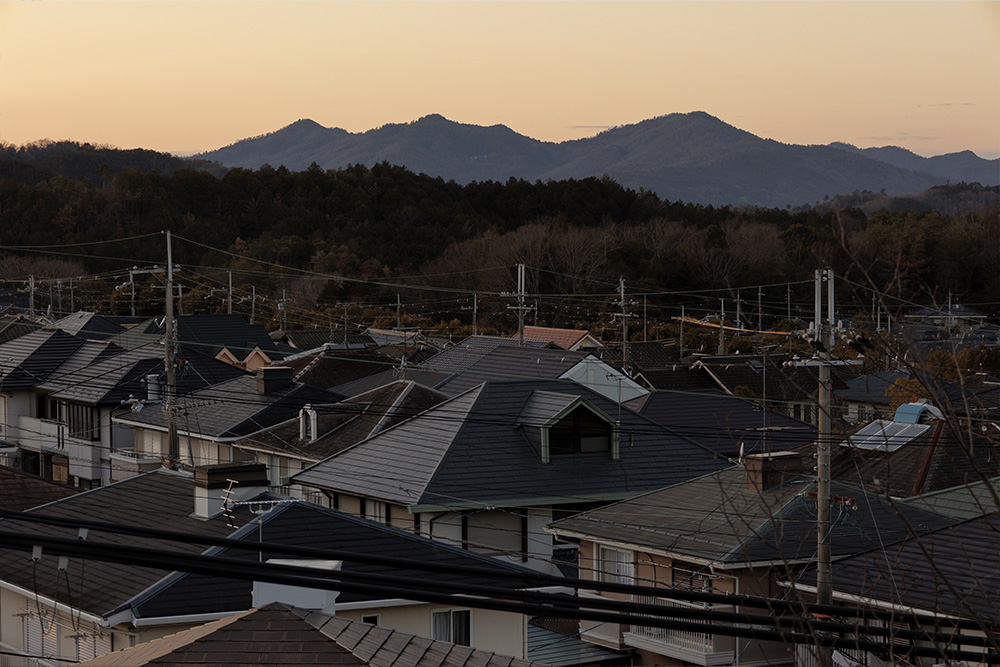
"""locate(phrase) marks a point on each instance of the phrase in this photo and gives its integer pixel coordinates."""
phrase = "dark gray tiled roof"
(514, 363)
(15, 328)
(112, 378)
(208, 334)
(332, 368)
(159, 499)
(282, 636)
(431, 379)
(718, 518)
(28, 360)
(307, 525)
(91, 326)
(235, 408)
(675, 378)
(772, 380)
(313, 338)
(351, 421)
(967, 501)
(21, 491)
(949, 571)
(472, 450)
(723, 423)
(469, 351)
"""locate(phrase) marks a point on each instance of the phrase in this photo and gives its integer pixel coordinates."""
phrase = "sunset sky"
(185, 76)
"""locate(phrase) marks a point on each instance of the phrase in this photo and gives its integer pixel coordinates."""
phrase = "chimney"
(153, 387)
(768, 470)
(271, 379)
(308, 423)
(211, 482)
(297, 596)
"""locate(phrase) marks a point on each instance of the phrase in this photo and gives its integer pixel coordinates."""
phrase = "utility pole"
(253, 303)
(644, 318)
(681, 346)
(760, 312)
(824, 339)
(520, 307)
(173, 452)
(624, 315)
(399, 306)
(31, 294)
(722, 326)
(475, 313)
(229, 308)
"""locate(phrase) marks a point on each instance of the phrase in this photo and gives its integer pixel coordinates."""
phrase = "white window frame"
(615, 566)
(451, 625)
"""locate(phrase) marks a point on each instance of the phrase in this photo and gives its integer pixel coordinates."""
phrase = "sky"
(185, 76)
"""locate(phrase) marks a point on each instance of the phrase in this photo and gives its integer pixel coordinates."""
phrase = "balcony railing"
(701, 648)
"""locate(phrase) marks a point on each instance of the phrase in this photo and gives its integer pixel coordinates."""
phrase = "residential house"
(737, 531)
(328, 367)
(730, 426)
(57, 610)
(329, 339)
(488, 469)
(287, 636)
(915, 453)
(184, 599)
(319, 431)
(78, 609)
(769, 380)
(95, 326)
(567, 339)
(212, 420)
(944, 574)
(225, 337)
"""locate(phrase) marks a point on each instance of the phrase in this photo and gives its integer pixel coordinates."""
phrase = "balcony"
(700, 648)
(127, 463)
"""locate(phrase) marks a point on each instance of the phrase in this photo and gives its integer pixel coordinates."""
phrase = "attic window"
(580, 432)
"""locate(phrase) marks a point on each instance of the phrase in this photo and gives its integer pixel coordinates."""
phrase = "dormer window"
(580, 432)
(563, 425)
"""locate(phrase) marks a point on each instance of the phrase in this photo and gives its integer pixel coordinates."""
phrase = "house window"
(615, 566)
(375, 510)
(580, 432)
(82, 420)
(453, 625)
(372, 619)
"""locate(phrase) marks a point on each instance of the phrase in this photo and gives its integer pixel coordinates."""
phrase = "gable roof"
(208, 334)
(421, 376)
(475, 450)
(28, 360)
(568, 339)
(92, 326)
(158, 499)
(349, 422)
(718, 518)
(307, 525)
(771, 380)
(723, 423)
(233, 409)
(283, 636)
(311, 339)
(112, 378)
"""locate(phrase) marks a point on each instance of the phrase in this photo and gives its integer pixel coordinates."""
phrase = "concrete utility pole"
(31, 294)
(520, 307)
(174, 450)
(722, 326)
(229, 298)
(824, 339)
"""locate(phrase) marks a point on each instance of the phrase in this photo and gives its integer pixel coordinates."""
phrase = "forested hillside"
(385, 223)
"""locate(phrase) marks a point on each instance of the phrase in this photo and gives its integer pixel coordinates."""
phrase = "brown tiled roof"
(565, 338)
(279, 635)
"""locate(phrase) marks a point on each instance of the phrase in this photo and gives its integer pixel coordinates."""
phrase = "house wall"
(17, 611)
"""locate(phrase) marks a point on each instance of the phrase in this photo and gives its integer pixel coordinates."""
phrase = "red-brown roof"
(565, 338)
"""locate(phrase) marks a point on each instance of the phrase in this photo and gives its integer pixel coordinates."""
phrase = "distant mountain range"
(692, 157)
